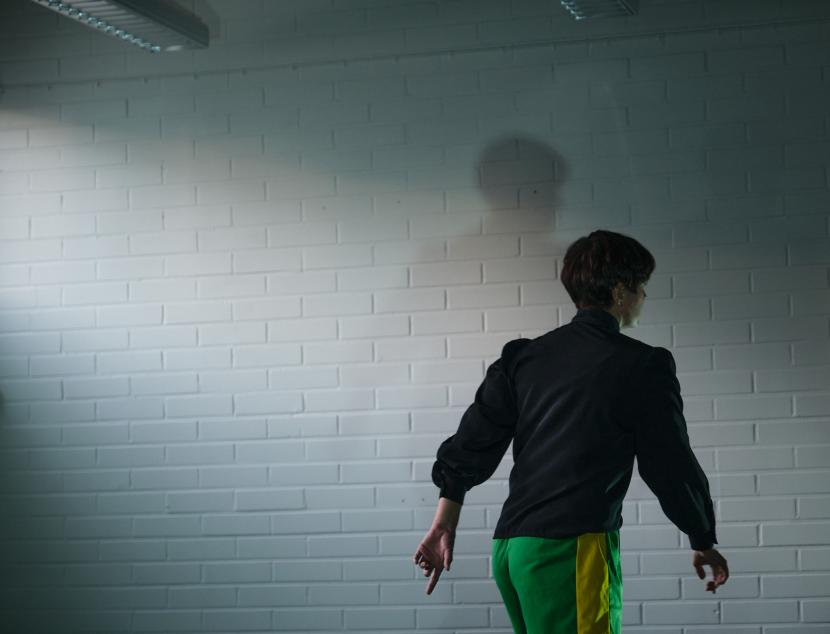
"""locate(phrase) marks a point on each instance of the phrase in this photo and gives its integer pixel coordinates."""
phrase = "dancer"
(579, 403)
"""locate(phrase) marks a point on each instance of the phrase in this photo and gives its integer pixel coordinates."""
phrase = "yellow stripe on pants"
(592, 609)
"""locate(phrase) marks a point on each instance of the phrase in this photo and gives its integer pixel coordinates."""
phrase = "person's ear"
(618, 294)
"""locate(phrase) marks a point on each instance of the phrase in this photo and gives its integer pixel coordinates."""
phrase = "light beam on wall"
(154, 25)
(583, 9)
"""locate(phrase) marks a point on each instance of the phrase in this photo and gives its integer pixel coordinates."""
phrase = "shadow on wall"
(534, 166)
(513, 190)
(521, 180)
(508, 206)
(35, 553)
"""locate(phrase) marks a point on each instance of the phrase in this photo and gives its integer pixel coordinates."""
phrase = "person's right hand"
(435, 553)
(720, 570)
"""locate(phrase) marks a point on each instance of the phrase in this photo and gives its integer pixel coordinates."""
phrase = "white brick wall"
(246, 292)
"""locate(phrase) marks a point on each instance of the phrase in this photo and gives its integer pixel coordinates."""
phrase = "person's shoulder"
(633, 346)
(645, 356)
(515, 347)
(640, 346)
(657, 359)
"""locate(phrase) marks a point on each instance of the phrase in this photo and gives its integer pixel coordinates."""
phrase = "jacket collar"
(597, 317)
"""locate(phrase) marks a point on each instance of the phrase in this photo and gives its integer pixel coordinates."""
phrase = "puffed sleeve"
(472, 454)
(664, 457)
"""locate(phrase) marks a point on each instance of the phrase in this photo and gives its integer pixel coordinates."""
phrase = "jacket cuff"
(454, 492)
(702, 542)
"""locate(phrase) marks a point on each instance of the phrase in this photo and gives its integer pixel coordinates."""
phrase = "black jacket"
(579, 403)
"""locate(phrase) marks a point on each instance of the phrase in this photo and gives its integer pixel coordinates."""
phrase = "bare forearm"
(447, 513)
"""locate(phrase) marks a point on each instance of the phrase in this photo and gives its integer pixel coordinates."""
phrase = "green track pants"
(561, 586)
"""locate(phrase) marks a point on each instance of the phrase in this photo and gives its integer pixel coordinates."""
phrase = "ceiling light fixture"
(583, 9)
(153, 25)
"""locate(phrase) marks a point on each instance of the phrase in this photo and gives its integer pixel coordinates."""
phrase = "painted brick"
(789, 329)
(162, 196)
(231, 286)
(207, 216)
(163, 336)
(753, 356)
(68, 225)
(109, 246)
(118, 362)
(166, 242)
(196, 312)
(128, 222)
(192, 359)
(187, 264)
(190, 406)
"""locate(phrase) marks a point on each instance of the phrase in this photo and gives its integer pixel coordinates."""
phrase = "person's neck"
(615, 315)
(610, 311)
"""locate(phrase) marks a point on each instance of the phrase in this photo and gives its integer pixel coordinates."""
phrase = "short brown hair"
(594, 264)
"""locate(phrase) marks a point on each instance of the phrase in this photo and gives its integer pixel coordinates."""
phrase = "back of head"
(596, 263)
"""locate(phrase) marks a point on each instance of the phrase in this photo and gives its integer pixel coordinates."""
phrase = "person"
(579, 403)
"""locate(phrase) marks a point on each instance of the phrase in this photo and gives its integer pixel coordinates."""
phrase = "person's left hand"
(435, 553)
